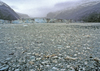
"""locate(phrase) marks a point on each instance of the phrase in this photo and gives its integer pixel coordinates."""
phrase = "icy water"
(50, 47)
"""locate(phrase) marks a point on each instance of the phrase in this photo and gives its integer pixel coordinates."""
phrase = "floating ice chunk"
(4, 68)
(68, 46)
(25, 25)
(70, 58)
(54, 68)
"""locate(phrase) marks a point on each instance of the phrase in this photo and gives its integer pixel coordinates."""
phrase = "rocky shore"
(50, 47)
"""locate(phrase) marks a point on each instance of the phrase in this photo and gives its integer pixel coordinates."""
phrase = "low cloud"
(38, 8)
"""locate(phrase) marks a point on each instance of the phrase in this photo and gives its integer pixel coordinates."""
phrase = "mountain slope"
(23, 15)
(78, 12)
(7, 13)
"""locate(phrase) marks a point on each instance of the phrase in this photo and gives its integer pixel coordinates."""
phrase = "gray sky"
(34, 8)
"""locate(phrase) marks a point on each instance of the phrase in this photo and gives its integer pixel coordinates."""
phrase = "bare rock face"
(6, 13)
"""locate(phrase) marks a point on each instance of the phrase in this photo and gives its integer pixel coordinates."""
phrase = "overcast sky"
(34, 8)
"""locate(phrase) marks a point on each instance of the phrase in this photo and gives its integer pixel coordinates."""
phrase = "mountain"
(7, 13)
(23, 15)
(82, 9)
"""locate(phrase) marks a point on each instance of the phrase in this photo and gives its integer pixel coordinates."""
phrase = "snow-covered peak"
(2, 3)
(89, 3)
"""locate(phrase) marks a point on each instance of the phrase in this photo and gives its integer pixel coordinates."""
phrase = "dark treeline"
(94, 17)
(4, 17)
